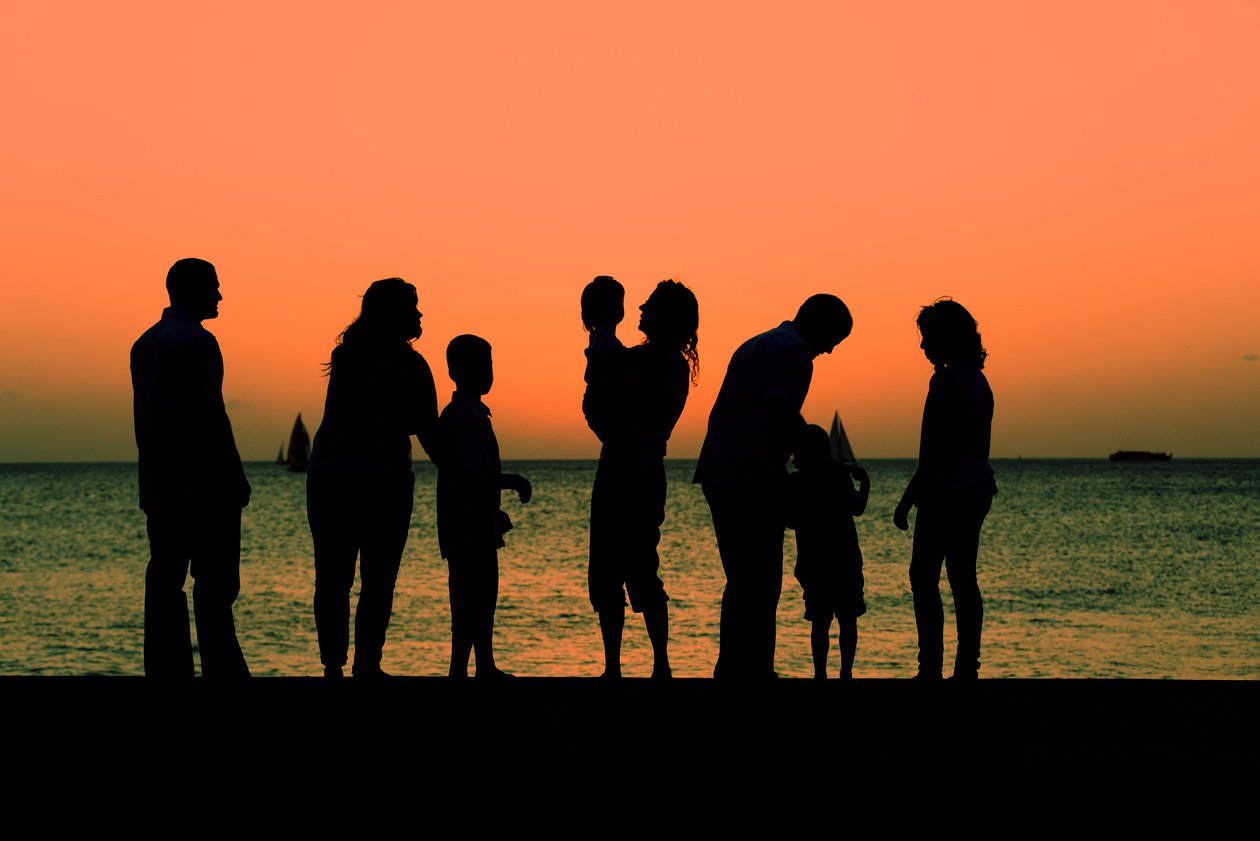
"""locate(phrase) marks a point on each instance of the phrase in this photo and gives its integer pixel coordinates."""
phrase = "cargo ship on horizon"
(1139, 455)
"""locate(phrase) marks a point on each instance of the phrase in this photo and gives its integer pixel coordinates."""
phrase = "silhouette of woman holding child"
(359, 484)
(953, 487)
(634, 397)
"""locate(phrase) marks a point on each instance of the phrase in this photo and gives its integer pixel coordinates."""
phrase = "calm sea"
(1089, 569)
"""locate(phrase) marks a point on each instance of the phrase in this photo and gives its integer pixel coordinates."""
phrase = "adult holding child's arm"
(952, 487)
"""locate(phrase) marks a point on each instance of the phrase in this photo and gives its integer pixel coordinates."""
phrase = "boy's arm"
(518, 483)
(857, 499)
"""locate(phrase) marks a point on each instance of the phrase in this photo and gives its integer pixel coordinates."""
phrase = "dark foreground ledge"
(531, 726)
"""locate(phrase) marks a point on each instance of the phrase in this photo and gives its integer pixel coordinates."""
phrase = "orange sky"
(1083, 176)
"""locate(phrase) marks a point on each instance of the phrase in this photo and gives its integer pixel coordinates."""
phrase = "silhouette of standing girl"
(953, 487)
(634, 418)
(359, 485)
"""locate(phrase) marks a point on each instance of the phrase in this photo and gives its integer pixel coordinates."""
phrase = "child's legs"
(820, 642)
(848, 644)
(461, 624)
(484, 598)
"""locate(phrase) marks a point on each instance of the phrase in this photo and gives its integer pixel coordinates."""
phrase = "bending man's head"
(824, 322)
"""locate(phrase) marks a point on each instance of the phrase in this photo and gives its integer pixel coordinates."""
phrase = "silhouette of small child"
(603, 308)
(470, 523)
(822, 503)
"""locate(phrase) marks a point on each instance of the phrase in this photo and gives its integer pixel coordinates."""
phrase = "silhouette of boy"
(470, 523)
(821, 505)
(192, 498)
(603, 308)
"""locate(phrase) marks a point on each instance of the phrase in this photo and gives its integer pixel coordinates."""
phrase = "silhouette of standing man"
(753, 429)
(192, 484)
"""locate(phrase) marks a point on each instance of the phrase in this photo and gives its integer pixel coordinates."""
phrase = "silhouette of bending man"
(192, 484)
(753, 428)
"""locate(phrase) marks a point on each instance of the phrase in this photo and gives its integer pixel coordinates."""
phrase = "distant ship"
(299, 454)
(841, 450)
(1139, 455)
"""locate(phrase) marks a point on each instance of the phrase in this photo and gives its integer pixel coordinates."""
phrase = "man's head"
(469, 364)
(193, 285)
(824, 322)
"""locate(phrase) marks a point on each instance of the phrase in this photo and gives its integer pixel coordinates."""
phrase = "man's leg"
(216, 571)
(750, 541)
(167, 638)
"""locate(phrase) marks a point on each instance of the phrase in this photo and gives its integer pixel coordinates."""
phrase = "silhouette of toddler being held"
(603, 308)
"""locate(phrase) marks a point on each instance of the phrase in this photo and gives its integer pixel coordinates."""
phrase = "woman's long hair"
(954, 331)
(674, 319)
(388, 317)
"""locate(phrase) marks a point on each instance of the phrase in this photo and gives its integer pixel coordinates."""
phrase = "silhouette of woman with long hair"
(634, 419)
(953, 487)
(359, 486)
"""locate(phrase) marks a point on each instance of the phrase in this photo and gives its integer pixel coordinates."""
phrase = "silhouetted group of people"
(360, 485)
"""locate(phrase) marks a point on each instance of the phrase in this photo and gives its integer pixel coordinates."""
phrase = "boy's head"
(468, 361)
(603, 303)
(814, 447)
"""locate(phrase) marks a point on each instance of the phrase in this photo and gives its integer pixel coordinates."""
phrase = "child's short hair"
(603, 302)
(463, 352)
(815, 443)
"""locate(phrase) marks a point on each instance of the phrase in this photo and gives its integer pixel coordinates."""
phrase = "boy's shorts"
(839, 594)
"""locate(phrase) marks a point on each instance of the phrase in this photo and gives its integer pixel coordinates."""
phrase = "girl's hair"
(675, 318)
(954, 330)
(387, 316)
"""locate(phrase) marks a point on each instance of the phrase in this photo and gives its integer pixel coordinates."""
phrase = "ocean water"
(1088, 569)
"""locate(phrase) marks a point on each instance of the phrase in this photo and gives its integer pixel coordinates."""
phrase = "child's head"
(603, 303)
(468, 361)
(813, 448)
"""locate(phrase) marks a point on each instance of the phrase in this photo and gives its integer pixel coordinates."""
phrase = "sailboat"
(841, 450)
(280, 459)
(299, 447)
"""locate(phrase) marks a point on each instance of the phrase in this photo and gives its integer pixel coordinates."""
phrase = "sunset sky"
(1083, 176)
